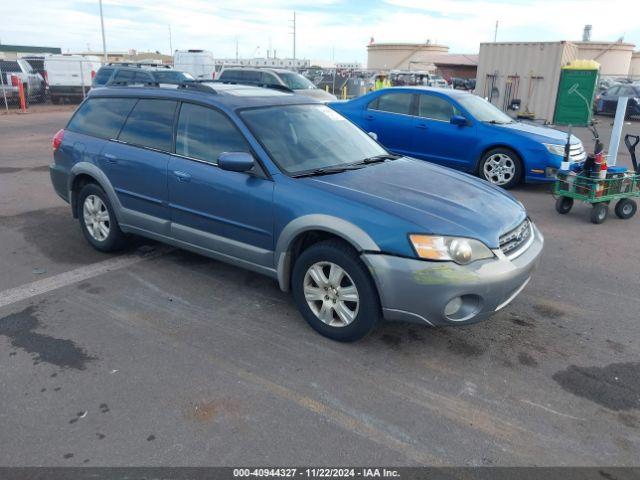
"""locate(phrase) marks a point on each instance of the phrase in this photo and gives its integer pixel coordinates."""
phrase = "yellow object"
(582, 65)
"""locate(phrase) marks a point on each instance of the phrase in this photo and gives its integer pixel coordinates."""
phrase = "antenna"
(495, 33)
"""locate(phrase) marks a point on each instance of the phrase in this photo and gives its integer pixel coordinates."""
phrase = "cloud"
(322, 26)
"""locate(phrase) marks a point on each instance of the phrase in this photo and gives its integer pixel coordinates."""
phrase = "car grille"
(577, 153)
(516, 240)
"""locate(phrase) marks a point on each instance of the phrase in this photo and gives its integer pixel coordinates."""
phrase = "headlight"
(459, 250)
(555, 149)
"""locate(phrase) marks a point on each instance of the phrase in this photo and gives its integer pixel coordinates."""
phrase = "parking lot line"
(39, 287)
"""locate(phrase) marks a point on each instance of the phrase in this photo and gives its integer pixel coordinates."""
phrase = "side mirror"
(373, 135)
(459, 120)
(235, 161)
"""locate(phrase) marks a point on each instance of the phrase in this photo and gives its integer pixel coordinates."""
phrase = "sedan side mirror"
(373, 135)
(235, 161)
(459, 120)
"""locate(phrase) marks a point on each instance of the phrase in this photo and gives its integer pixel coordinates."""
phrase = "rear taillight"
(213, 75)
(45, 76)
(57, 139)
(93, 74)
(15, 80)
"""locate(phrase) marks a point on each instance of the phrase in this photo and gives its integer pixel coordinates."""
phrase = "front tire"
(98, 221)
(599, 213)
(501, 167)
(564, 205)
(334, 291)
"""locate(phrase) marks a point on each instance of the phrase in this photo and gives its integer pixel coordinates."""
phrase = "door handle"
(111, 158)
(422, 126)
(369, 117)
(182, 176)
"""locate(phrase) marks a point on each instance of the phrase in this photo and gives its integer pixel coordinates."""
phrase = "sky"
(326, 29)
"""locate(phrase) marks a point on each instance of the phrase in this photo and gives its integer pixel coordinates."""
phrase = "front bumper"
(419, 291)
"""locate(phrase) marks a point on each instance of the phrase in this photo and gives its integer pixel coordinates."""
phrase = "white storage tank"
(402, 56)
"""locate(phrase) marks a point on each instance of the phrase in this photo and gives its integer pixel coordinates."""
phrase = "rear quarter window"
(103, 75)
(150, 124)
(101, 117)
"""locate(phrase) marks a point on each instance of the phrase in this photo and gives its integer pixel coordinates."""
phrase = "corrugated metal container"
(525, 71)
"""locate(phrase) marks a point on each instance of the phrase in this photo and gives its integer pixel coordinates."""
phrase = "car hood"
(540, 133)
(316, 93)
(435, 199)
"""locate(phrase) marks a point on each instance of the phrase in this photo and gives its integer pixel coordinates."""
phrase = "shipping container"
(528, 72)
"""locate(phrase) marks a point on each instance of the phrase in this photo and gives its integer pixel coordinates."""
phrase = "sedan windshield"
(303, 138)
(482, 110)
(295, 81)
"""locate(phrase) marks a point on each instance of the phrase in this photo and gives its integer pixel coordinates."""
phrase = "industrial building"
(13, 52)
(271, 62)
(530, 71)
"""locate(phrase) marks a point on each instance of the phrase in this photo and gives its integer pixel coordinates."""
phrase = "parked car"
(142, 73)
(198, 63)
(282, 185)
(607, 101)
(69, 76)
(274, 77)
(463, 131)
(19, 71)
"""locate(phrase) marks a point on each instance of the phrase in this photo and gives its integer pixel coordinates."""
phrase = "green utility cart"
(574, 103)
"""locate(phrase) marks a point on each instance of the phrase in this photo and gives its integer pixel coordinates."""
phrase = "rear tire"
(98, 220)
(626, 208)
(599, 213)
(564, 205)
(334, 291)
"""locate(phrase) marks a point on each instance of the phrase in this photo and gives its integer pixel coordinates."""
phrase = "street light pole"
(104, 42)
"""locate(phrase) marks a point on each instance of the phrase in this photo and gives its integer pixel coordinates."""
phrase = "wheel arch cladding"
(323, 226)
(85, 172)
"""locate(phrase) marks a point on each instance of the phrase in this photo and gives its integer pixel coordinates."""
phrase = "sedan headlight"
(457, 249)
(555, 149)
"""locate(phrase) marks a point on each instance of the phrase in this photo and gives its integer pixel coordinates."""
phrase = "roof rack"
(273, 86)
(200, 87)
(138, 64)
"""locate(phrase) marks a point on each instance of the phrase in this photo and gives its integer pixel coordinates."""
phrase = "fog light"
(453, 306)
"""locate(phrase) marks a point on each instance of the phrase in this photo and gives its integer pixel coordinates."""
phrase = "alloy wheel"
(499, 169)
(96, 217)
(331, 294)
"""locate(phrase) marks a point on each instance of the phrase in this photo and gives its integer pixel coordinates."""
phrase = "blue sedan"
(462, 131)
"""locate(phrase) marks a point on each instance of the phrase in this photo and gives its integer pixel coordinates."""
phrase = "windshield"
(296, 81)
(302, 138)
(483, 110)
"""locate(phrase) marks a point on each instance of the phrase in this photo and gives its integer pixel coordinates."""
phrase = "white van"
(198, 63)
(69, 76)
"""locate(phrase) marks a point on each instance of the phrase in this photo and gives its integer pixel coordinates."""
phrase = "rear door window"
(393, 103)
(248, 76)
(103, 76)
(101, 117)
(124, 76)
(143, 77)
(204, 133)
(150, 124)
(436, 108)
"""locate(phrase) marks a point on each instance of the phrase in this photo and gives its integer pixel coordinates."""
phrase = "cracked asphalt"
(169, 359)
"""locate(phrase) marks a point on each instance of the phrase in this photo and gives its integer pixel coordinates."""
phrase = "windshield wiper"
(377, 159)
(498, 122)
(326, 171)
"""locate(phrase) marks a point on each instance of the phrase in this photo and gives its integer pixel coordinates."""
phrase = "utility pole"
(495, 33)
(170, 43)
(104, 42)
(236, 49)
(294, 35)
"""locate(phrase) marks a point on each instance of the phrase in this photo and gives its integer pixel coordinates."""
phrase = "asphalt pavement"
(157, 356)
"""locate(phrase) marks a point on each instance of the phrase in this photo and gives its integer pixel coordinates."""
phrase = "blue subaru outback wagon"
(285, 186)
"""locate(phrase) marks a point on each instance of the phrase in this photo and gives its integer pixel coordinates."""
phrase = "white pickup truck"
(14, 72)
